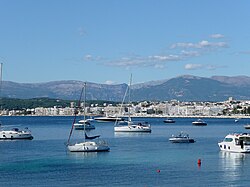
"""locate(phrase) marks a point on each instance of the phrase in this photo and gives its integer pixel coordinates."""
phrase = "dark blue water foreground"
(134, 160)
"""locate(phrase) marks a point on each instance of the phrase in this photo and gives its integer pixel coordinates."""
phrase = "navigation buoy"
(158, 171)
(199, 162)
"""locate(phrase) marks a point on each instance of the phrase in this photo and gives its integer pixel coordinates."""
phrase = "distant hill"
(183, 88)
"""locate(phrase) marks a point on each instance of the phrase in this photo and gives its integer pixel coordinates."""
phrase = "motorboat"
(83, 124)
(199, 122)
(237, 142)
(15, 133)
(236, 120)
(108, 119)
(90, 143)
(169, 120)
(182, 137)
(132, 126)
(247, 126)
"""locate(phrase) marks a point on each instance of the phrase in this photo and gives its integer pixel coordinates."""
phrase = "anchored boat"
(239, 143)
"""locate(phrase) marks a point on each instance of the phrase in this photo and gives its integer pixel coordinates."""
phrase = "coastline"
(141, 116)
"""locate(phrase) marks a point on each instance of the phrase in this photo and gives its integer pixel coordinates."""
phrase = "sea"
(134, 159)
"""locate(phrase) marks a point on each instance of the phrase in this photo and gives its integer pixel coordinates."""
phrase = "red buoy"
(199, 162)
(158, 171)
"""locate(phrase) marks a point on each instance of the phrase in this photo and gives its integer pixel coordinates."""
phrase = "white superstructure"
(239, 143)
(132, 126)
(83, 124)
(15, 133)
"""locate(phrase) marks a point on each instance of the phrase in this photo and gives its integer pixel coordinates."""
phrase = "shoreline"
(138, 116)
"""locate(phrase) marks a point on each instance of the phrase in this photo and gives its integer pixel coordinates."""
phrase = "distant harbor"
(174, 109)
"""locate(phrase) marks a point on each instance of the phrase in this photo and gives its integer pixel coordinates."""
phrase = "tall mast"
(129, 101)
(84, 104)
(78, 106)
(1, 82)
(84, 107)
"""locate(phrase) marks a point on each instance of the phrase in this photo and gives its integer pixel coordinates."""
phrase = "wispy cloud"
(244, 52)
(193, 66)
(217, 36)
(180, 51)
(155, 61)
(110, 82)
(204, 44)
(201, 66)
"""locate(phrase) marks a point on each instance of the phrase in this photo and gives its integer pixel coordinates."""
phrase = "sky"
(106, 41)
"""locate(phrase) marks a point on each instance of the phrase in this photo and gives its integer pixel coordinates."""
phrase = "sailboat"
(129, 125)
(14, 133)
(89, 144)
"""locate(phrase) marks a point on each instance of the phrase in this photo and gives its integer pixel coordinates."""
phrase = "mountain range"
(182, 88)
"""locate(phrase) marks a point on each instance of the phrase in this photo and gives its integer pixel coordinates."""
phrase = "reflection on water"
(130, 134)
(231, 164)
(82, 155)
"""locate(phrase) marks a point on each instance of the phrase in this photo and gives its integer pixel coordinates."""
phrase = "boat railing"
(102, 142)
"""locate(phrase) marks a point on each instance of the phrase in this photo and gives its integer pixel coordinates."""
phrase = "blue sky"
(106, 41)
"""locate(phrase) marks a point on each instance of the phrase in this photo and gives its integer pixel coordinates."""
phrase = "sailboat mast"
(84, 104)
(129, 101)
(71, 130)
(1, 82)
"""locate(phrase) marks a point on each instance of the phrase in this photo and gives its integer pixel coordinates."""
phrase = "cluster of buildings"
(171, 108)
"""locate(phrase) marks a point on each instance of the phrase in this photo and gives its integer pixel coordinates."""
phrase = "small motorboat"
(83, 124)
(247, 126)
(239, 143)
(236, 120)
(132, 126)
(182, 137)
(169, 120)
(199, 122)
(15, 134)
(108, 119)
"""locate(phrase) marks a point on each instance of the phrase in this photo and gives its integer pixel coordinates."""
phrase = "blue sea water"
(136, 159)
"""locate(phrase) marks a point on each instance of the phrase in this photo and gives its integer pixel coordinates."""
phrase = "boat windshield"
(228, 139)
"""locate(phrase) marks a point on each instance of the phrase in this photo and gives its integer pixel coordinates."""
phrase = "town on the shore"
(173, 108)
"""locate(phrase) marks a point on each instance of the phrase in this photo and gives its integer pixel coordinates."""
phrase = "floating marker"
(199, 162)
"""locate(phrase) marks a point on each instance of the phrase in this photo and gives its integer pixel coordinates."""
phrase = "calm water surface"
(134, 160)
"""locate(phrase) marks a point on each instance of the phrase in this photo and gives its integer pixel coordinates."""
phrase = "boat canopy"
(91, 137)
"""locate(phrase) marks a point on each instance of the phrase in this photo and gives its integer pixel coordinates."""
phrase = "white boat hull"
(132, 128)
(181, 140)
(11, 135)
(89, 146)
(229, 147)
(238, 143)
(108, 119)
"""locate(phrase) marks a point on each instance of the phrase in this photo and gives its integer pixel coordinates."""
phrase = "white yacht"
(199, 122)
(239, 143)
(83, 124)
(247, 126)
(169, 120)
(182, 137)
(15, 133)
(132, 126)
(108, 119)
(89, 144)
